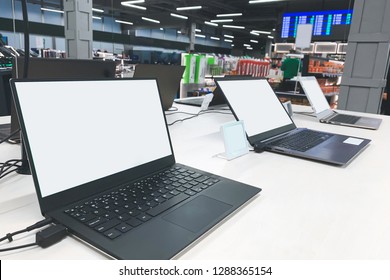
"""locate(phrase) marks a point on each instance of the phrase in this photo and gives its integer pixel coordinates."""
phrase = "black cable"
(19, 247)
(44, 238)
(29, 228)
(9, 136)
(6, 166)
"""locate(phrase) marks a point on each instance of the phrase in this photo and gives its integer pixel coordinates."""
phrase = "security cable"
(196, 115)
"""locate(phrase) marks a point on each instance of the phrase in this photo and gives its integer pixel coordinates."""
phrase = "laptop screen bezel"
(260, 137)
(83, 191)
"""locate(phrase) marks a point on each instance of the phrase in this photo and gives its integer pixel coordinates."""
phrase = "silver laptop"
(269, 126)
(325, 114)
(105, 168)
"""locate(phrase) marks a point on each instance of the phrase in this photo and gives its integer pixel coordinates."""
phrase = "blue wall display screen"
(325, 23)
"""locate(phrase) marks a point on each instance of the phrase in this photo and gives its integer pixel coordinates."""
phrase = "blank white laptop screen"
(255, 103)
(68, 146)
(314, 92)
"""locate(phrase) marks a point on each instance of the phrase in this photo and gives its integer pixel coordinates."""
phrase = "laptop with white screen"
(269, 126)
(325, 114)
(111, 178)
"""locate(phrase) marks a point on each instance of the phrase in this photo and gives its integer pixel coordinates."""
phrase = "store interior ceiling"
(262, 16)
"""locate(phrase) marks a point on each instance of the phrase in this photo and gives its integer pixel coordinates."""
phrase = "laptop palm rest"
(198, 213)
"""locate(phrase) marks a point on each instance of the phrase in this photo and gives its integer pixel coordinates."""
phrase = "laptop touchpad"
(198, 213)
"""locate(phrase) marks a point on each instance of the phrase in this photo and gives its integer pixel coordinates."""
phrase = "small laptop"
(325, 114)
(269, 126)
(168, 78)
(105, 168)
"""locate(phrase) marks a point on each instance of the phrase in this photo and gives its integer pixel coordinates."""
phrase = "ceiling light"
(200, 35)
(254, 33)
(134, 6)
(222, 20)
(254, 41)
(261, 32)
(162, 29)
(249, 48)
(230, 15)
(234, 26)
(232, 45)
(262, 1)
(246, 45)
(98, 10)
(178, 32)
(228, 36)
(151, 20)
(271, 37)
(228, 40)
(215, 38)
(189, 8)
(95, 17)
(178, 16)
(124, 3)
(124, 22)
(198, 30)
(210, 23)
(52, 10)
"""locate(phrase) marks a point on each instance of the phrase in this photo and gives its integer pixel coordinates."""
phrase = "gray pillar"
(367, 57)
(78, 28)
(268, 47)
(192, 36)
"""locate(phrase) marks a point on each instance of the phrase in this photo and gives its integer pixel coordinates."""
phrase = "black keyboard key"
(124, 217)
(168, 204)
(107, 225)
(134, 222)
(95, 222)
(144, 217)
(112, 233)
(86, 217)
(123, 227)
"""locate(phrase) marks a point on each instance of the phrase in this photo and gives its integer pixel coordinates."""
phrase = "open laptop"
(325, 114)
(168, 78)
(269, 126)
(113, 181)
(218, 97)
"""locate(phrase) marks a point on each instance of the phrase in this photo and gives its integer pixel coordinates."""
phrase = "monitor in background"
(44, 68)
(168, 79)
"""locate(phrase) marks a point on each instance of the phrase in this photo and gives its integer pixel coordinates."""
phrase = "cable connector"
(50, 235)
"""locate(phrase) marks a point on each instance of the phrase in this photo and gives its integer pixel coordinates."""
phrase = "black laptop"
(269, 126)
(168, 78)
(105, 168)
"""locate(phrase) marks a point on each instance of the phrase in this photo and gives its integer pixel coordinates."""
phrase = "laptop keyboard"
(129, 206)
(342, 118)
(302, 140)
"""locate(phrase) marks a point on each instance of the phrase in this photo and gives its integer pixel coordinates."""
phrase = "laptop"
(218, 97)
(113, 181)
(168, 78)
(269, 126)
(325, 114)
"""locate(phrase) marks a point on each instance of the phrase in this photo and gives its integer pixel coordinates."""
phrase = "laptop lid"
(168, 78)
(254, 102)
(316, 97)
(74, 158)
